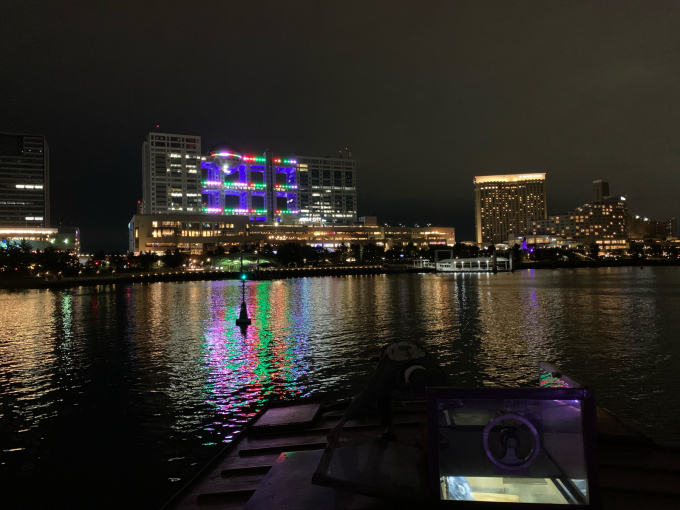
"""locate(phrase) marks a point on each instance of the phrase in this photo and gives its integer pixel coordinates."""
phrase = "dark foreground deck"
(270, 465)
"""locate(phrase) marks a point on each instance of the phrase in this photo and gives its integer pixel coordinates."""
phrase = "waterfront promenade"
(153, 276)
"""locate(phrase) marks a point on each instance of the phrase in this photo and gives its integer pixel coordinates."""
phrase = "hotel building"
(504, 204)
(604, 221)
(272, 188)
(644, 228)
(24, 181)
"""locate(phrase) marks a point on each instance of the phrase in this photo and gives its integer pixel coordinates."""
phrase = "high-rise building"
(263, 187)
(303, 189)
(24, 181)
(606, 218)
(327, 190)
(504, 204)
(171, 173)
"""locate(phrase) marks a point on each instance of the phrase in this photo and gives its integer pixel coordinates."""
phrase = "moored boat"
(274, 460)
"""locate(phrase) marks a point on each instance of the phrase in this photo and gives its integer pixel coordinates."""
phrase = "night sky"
(426, 95)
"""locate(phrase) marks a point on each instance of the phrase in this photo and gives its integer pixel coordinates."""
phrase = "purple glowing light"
(226, 154)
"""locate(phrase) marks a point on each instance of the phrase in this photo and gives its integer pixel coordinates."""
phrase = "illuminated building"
(24, 181)
(327, 190)
(200, 233)
(644, 228)
(504, 204)
(606, 218)
(302, 189)
(61, 238)
(171, 173)
(264, 188)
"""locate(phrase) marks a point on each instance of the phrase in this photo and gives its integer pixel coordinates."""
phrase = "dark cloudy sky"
(425, 94)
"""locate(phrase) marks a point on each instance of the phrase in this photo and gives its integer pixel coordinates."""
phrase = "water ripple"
(147, 380)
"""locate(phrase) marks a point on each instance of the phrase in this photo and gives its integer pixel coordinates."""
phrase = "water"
(116, 395)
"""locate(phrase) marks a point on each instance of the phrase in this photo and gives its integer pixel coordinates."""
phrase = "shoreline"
(593, 264)
(33, 282)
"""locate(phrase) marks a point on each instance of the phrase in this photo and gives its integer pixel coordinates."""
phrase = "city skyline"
(583, 92)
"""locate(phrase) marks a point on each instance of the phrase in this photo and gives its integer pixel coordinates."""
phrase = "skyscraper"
(171, 173)
(504, 204)
(24, 181)
(274, 188)
(328, 190)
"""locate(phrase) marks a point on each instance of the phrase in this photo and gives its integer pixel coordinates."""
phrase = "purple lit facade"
(265, 187)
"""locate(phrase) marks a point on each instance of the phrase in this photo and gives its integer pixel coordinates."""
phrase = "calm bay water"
(116, 395)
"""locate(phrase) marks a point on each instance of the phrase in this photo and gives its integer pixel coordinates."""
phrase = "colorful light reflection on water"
(247, 366)
(140, 384)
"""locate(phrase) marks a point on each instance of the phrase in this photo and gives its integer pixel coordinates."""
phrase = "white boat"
(474, 265)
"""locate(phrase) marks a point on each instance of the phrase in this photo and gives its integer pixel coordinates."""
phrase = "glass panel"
(511, 450)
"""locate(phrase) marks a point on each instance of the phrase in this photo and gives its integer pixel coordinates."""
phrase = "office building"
(504, 204)
(24, 181)
(606, 218)
(327, 190)
(264, 188)
(199, 233)
(171, 173)
(302, 189)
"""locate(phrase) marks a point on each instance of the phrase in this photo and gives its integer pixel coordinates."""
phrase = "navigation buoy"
(243, 319)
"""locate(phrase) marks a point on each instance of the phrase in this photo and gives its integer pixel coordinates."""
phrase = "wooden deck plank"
(651, 459)
(288, 416)
(224, 488)
(288, 486)
(628, 480)
(265, 450)
(323, 431)
(276, 440)
(226, 496)
(617, 500)
(214, 505)
(612, 430)
(245, 471)
(236, 461)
